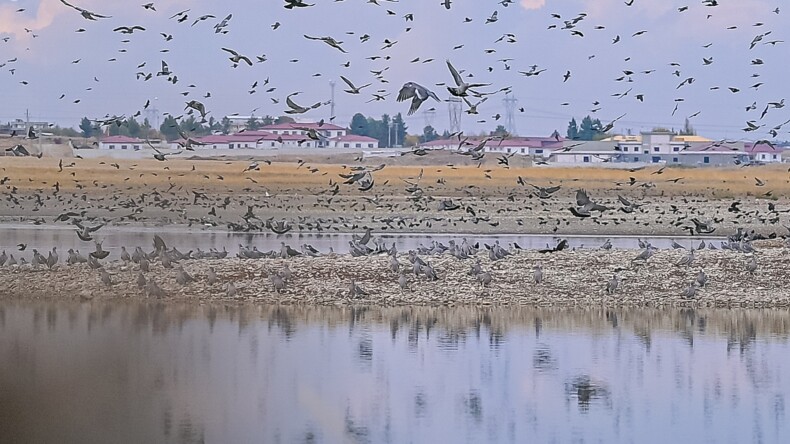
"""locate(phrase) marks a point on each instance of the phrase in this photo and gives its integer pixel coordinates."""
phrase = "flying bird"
(417, 93)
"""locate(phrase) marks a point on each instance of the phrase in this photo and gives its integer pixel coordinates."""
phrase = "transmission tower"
(510, 113)
(429, 116)
(454, 106)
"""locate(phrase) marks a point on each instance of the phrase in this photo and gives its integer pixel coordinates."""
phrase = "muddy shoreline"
(571, 279)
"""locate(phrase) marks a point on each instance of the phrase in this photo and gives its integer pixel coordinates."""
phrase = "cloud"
(533, 4)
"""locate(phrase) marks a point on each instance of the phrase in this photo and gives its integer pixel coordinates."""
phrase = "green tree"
(573, 129)
(590, 129)
(86, 127)
(225, 125)
(688, 130)
(428, 134)
(500, 130)
(252, 124)
(169, 128)
(359, 125)
(284, 119)
(399, 129)
(445, 134)
(267, 120)
(133, 127)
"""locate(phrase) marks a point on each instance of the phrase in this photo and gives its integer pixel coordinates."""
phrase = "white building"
(121, 143)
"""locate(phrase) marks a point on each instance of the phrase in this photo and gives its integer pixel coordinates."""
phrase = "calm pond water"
(163, 373)
(44, 238)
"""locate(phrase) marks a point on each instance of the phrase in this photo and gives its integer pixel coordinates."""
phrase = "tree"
(252, 124)
(399, 129)
(133, 127)
(169, 128)
(428, 134)
(225, 125)
(267, 120)
(573, 129)
(284, 119)
(86, 127)
(380, 129)
(445, 134)
(359, 125)
(688, 130)
(590, 129)
(499, 131)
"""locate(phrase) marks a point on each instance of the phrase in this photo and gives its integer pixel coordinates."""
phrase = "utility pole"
(510, 113)
(332, 100)
(389, 135)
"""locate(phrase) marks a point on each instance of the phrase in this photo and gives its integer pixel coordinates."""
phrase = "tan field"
(217, 175)
(489, 196)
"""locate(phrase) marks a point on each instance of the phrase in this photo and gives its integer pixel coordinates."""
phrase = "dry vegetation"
(455, 171)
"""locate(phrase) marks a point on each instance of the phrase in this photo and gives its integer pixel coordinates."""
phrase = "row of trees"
(388, 131)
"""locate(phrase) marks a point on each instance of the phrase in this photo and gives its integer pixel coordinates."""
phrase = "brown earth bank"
(570, 279)
(406, 196)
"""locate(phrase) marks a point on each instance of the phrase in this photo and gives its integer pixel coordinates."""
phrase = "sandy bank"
(571, 278)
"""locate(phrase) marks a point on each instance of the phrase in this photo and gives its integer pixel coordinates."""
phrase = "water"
(166, 373)
(43, 238)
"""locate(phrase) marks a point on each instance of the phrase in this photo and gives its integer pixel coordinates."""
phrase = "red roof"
(752, 148)
(353, 138)
(121, 139)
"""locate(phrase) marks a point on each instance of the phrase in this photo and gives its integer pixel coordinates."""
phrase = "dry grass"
(227, 176)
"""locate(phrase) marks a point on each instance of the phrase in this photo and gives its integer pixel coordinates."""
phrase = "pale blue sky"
(195, 55)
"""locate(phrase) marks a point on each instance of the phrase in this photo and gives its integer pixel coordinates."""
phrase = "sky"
(61, 67)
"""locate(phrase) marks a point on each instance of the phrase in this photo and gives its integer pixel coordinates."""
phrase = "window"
(346, 145)
(522, 150)
(676, 148)
(230, 146)
(706, 159)
(775, 157)
(586, 159)
(655, 149)
(112, 147)
(123, 147)
(137, 147)
(625, 149)
(539, 151)
(508, 150)
(272, 143)
(636, 158)
(646, 151)
(656, 159)
(675, 159)
(370, 145)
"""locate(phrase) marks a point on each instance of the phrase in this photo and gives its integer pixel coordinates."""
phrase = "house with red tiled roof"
(763, 152)
(121, 143)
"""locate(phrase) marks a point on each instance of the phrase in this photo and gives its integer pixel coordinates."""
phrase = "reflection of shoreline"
(740, 325)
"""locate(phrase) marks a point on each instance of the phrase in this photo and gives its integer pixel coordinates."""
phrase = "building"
(536, 147)
(764, 153)
(21, 126)
(284, 136)
(121, 143)
(576, 152)
(353, 141)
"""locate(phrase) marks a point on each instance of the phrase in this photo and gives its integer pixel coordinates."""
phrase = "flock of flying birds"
(462, 86)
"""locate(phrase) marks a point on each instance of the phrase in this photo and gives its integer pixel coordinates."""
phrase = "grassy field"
(27, 174)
